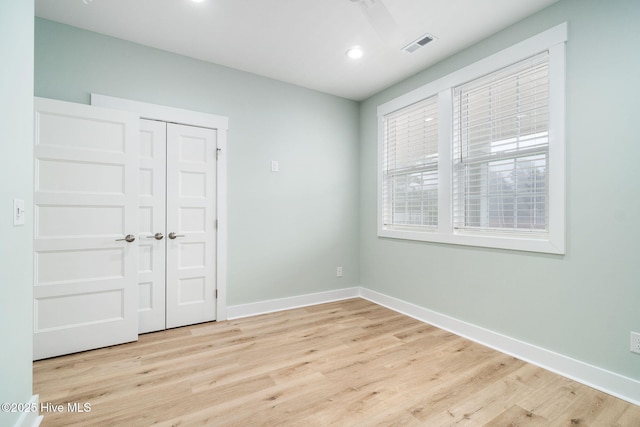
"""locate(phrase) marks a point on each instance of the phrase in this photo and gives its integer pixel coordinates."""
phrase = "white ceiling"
(298, 41)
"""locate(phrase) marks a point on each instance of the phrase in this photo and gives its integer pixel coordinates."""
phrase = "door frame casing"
(206, 120)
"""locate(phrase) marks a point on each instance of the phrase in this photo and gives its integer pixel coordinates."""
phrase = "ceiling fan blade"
(380, 19)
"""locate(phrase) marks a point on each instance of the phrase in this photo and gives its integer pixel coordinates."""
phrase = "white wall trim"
(274, 305)
(192, 118)
(608, 382)
(30, 419)
(161, 112)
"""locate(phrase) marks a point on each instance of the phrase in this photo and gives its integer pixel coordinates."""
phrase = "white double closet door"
(124, 227)
(177, 248)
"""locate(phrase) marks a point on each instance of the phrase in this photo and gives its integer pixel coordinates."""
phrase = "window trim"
(552, 242)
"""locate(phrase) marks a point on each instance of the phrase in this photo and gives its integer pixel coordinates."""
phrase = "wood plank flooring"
(348, 363)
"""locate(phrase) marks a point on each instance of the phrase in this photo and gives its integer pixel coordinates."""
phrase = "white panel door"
(191, 234)
(151, 216)
(85, 273)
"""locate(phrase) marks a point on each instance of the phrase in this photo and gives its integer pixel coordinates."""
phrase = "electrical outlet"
(338, 271)
(635, 342)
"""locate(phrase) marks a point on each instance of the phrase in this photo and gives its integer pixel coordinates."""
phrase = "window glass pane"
(414, 198)
(507, 194)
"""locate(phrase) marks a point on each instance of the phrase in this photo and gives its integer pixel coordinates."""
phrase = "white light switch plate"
(275, 166)
(18, 212)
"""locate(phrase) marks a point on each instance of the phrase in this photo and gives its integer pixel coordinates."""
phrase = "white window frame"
(552, 40)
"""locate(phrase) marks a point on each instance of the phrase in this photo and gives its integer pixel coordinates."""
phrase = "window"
(477, 157)
(500, 149)
(410, 165)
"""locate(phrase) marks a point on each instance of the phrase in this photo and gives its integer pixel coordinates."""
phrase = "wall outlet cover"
(635, 342)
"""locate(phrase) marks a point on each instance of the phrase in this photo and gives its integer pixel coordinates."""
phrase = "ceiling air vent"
(418, 43)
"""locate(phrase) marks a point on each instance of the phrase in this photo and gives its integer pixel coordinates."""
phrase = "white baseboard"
(617, 385)
(271, 306)
(606, 381)
(31, 419)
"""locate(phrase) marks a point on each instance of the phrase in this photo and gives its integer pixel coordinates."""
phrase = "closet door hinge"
(216, 294)
(215, 224)
(218, 150)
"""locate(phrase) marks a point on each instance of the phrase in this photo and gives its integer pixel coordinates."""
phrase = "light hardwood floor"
(348, 363)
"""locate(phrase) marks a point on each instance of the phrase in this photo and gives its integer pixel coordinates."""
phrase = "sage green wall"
(584, 304)
(288, 231)
(16, 181)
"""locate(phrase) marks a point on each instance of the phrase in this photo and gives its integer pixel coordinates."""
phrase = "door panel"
(85, 198)
(61, 221)
(151, 214)
(76, 176)
(191, 195)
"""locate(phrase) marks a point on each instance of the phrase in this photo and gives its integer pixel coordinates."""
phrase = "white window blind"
(501, 150)
(477, 157)
(410, 165)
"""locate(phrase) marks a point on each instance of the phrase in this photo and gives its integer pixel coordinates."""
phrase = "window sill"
(534, 243)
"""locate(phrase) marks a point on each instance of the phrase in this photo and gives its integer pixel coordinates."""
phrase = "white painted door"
(152, 219)
(85, 275)
(176, 277)
(191, 234)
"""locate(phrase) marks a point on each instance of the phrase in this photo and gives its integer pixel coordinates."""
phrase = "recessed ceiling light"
(198, 1)
(355, 52)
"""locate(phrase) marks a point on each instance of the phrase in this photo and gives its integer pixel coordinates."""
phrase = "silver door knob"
(128, 238)
(173, 235)
(157, 236)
